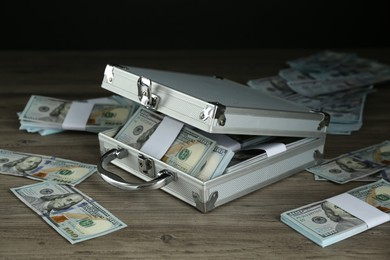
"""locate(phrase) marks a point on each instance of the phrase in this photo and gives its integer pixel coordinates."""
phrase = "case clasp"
(145, 95)
(146, 166)
(217, 110)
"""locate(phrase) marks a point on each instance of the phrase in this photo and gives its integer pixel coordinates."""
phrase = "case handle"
(163, 178)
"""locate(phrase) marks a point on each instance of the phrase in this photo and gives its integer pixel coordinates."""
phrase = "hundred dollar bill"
(354, 165)
(326, 223)
(74, 215)
(139, 128)
(44, 168)
(189, 151)
(216, 163)
(53, 113)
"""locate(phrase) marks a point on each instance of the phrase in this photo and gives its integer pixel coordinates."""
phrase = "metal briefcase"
(214, 105)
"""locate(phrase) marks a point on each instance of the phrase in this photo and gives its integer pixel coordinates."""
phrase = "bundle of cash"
(215, 164)
(359, 164)
(47, 115)
(189, 152)
(44, 168)
(74, 215)
(139, 128)
(336, 83)
(329, 221)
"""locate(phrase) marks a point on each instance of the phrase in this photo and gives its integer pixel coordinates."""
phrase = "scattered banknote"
(44, 168)
(329, 221)
(74, 215)
(216, 163)
(189, 151)
(47, 115)
(355, 165)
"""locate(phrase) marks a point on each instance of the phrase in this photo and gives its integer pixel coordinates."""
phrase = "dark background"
(93, 25)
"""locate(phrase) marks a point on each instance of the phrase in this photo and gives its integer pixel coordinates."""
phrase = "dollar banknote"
(326, 223)
(43, 112)
(189, 151)
(44, 168)
(139, 128)
(216, 163)
(74, 215)
(355, 165)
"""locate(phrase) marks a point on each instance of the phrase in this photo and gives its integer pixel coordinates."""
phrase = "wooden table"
(160, 225)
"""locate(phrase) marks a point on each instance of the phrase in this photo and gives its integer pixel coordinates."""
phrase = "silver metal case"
(215, 105)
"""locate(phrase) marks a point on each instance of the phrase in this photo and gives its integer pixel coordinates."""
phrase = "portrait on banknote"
(20, 166)
(45, 204)
(343, 219)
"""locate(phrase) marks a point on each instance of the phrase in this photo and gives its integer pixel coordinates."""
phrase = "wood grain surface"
(161, 226)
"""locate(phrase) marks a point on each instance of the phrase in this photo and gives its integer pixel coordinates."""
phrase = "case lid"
(214, 104)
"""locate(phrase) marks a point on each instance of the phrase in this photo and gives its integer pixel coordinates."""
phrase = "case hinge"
(216, 110)
(146, 166)
(145, 95)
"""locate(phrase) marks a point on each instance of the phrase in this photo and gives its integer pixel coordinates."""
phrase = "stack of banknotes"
(178, 145)
(367, 164)
(190, 150)
(333, 82)
(48, 115)
(73, 214)
(337, 218)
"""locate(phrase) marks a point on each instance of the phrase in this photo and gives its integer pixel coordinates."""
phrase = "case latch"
(210, 112)
(146, 166)
(145, 95)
